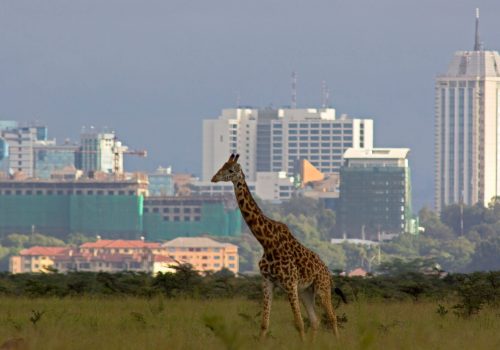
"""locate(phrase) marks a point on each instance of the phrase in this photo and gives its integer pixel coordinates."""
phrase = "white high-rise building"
(272, 140)
(100, 151)
(467, 144)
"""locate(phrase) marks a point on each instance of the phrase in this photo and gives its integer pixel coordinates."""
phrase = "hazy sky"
(152, 70)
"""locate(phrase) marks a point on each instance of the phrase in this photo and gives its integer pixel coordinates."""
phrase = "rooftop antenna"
(325, 94)
(477, 42)
(238, 99)
(294, 90)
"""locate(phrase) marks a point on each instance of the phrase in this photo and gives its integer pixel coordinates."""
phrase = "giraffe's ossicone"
(286, 263)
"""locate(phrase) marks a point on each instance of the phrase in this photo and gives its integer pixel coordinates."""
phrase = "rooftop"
(196, 242)
(474, 64)
(44, 251)
(120, 243)
(376, 153)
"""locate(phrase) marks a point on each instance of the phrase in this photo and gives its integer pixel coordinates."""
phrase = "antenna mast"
(294, 90)
(325, 94)
(477, 42)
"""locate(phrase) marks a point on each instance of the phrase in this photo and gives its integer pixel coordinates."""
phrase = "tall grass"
(159, 323)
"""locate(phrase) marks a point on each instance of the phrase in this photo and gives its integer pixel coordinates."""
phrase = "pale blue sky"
(152, 70)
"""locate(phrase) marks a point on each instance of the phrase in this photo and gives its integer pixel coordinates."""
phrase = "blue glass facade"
(161, 185)
(50, 159)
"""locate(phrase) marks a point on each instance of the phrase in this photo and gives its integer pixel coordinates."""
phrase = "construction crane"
(123, 150)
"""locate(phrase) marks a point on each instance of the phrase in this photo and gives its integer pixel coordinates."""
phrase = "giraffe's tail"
(341, 294)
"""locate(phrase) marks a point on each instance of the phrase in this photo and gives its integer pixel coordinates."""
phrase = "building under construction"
(171, 217)
(112, 207)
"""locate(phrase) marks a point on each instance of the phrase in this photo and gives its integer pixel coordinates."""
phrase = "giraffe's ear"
(236, 158)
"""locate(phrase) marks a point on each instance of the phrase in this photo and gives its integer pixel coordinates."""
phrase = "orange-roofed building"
(116, 262)
(359, 272)
(204, 254)
(308, 173)
(35, 259)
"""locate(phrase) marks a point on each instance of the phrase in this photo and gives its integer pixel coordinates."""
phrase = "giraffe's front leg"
(267, 287)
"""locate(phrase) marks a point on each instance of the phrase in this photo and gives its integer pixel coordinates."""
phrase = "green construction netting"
(108, 215)
(44, 214)
(215, 220)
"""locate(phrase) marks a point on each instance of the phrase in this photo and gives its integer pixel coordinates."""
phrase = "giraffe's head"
(230, 171)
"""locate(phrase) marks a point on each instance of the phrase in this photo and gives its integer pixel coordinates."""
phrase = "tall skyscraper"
(273, 140)
(467, 147)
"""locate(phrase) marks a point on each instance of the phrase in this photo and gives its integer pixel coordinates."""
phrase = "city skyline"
(156, 65)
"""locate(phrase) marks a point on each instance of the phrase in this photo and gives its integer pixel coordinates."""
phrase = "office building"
(100, 151)
(375, 194)
(467, 144)
(20, 141)
(161, 182)
(274, 140)
(50, 158)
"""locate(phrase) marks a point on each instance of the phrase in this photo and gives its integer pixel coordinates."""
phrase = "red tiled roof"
(44, 251)
(120, 243)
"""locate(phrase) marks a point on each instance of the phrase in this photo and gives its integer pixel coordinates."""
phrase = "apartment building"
(36, 259)
(129, 255)
(115, 262)
(204, 254)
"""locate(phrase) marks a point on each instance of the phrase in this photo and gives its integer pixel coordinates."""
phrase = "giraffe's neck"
(251, 212)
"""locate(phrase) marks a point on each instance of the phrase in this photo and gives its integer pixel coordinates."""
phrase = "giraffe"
(286, 263)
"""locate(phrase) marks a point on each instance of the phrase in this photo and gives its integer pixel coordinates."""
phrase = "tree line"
(459, 239)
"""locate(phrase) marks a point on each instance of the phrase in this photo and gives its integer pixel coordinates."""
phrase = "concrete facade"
(274, 140)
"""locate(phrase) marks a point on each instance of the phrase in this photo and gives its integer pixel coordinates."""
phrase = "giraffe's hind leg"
(293, 297)
(325, 296)
(267, 287)
(307, 296)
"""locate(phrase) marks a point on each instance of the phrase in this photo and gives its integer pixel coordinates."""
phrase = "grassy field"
(158, 323)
